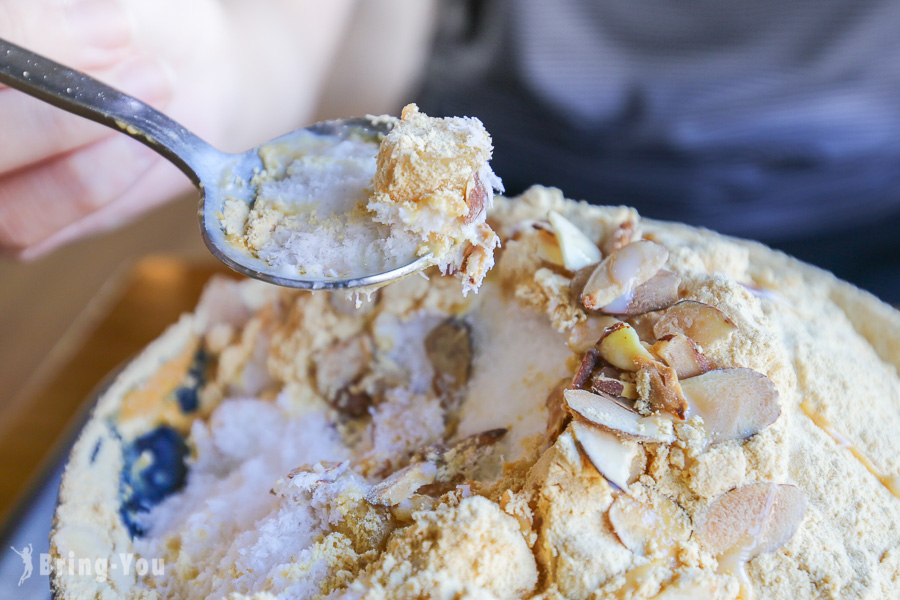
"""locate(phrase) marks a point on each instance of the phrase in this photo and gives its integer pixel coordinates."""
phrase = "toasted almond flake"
(341, 364)
(449, 349)
(621, 347)
(478, 197)
(621, 272)
(703, 323)
(557, 415)
(547, 243)
(621, 236)
(649, 529)
(665, 390)
(585, 369)
(587, 333)
(681, 353)
(609, 414)
(750, 520)
(464, 455)
(658, 292)
(734, 403)
(612, 456)
(402, 484)
(577, 249)
(579, 280)
(606, 385)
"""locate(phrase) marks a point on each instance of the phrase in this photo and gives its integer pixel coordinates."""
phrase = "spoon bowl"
(218, 175)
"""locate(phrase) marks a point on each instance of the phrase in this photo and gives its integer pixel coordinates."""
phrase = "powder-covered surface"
(309, 403)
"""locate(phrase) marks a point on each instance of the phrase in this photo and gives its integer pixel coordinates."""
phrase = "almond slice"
(587, 333)
(612, 456)
(463, 456)
(608, 385)
(658, 292)
(621, 347)
(750, 520)
(579, 280)
(449, 349)
(681, 353)
(665, 390)
(585, 368)
(649, 529)
(734, 403)
(547, 243)
(478, 198)
(621, 236)
(557, 415)
(402, 484)
(577, 249)
(610, 415)
(621, 272)
(703, 323)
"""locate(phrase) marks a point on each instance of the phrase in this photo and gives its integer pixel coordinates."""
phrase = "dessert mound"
(627, 410)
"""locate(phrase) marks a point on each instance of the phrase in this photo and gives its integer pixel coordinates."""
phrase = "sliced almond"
(577, 249)
(620, 237)
(665, 390)
(649, 529)
(606, 385)
(621, 347)
(402, 484)
(449, 349)
(342, 363)
(338, 368)
(585, 369)
(478, 198)
(681, 353)
(734, 403)
(557, 415)
(621, 272)
(547, 243)
(463, 456)
(658, 292)
(701, 322)
(610, 415)
(588, 332)
(579, 280)
(612, 456)
(750, 520)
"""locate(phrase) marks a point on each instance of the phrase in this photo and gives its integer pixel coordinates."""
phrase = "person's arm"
(237, 72)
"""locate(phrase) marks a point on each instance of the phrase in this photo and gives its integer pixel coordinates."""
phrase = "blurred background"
(774, 121)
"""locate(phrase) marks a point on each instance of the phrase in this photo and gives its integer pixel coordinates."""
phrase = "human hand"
(237, 73)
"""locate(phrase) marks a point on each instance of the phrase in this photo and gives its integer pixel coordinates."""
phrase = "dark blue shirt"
(772, 120)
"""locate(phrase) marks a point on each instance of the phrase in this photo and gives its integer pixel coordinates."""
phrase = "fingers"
(34, 131)
(85, 34)
(159, 183)
(39, 201)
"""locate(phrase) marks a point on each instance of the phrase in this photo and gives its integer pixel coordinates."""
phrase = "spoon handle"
(77, 93)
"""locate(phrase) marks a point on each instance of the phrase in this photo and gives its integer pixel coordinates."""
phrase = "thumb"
(86, 34)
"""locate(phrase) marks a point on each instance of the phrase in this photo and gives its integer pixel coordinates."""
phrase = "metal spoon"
(211, 170)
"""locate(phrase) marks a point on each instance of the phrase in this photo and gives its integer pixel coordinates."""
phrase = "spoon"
(214, 172)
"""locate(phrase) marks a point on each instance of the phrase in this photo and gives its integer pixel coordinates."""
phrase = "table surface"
(152, 294)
